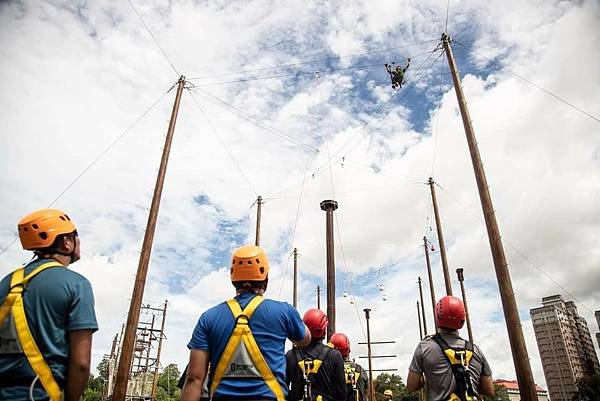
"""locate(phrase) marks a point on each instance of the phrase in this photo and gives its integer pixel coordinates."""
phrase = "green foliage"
(392, 382)
(166, 387)
(588, 388)
(93, 389)
(500, 394)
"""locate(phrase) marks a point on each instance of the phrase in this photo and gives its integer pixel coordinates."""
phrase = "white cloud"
(75, 78)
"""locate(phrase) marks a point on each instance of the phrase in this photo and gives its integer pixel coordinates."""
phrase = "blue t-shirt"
(271, 324)
(57, 301)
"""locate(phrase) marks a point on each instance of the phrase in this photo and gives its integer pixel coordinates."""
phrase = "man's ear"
(67, 243)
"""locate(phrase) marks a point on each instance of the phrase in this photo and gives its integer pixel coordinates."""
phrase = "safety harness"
(12, 313)
(352, 375)
(242, 358)
(309, 367)
(459, 359)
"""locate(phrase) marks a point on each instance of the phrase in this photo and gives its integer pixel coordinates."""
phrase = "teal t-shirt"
(57, 301)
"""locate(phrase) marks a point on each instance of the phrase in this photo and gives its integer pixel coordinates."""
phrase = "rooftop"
(514, 385)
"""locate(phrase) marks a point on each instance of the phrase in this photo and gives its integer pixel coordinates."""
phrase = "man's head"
(249, 269)
(387, 394)
(49, 232)
(450, 313)
(316, 321)
(341, 343)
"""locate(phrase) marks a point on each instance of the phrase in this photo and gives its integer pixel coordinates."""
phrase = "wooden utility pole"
(371, 389)
(295, 295)
(423, 306)
(318, 297)
(329, 206)
(259, 203)
(509, 303)
(420, 325)
(440, 234)
(140, 277)
(461, 280)
(430, 276)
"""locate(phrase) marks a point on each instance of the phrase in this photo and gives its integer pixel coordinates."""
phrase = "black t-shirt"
(329, 382)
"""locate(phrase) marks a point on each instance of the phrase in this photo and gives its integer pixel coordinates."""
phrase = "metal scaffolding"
(145, 363)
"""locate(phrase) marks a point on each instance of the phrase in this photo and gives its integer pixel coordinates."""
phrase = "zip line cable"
(339, 192)
(437, 121)
(447, 10)
(154, 38)
(253, 120)
(364, 126)
(239, 168)
(539, 269)
(97, 159)
(283, 66)
(216, 134)
(560, 99)
(394, 103)
(298, 73)
(521, 253)
(294, 74)
(293, 237)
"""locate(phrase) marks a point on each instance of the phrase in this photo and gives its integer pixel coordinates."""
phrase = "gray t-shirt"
(430, 359)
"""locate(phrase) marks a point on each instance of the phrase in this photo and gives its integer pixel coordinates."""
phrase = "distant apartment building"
(597, 314)
(512, 388)
(565, 346)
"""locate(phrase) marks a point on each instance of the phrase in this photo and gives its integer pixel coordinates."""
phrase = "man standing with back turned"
(244, 338)
(455, 369)
(47, 315)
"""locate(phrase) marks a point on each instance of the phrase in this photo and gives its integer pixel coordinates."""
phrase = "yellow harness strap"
(14, 304)
(242, 332)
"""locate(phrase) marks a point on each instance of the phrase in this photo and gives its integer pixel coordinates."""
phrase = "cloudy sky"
(292, 102)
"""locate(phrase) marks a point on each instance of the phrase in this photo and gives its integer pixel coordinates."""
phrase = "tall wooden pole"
(461, 280)
(371, 389)
(295, 295)
(329, 206)
(430, 276)
(440, 234)
(140, 277)
(259, 203)
(420, 324)
(422, 306)
(318, 297)
(509, 303)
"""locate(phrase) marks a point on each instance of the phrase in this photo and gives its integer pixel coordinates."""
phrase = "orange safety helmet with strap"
(249, 263)
(38, 230)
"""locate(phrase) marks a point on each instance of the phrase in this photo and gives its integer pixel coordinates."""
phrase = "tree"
(392, 382)
(95, 384)
(166, 386)
(588, 388)
(500, 394)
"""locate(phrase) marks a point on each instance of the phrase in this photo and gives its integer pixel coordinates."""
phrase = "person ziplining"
(397, 74)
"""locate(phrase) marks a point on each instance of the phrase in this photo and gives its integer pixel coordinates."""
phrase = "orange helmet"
(341, 343)
(39, 229)
(249, 263)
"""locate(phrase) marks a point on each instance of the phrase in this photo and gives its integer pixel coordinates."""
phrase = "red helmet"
(316, 321)
(450, 313)
(341, 343)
